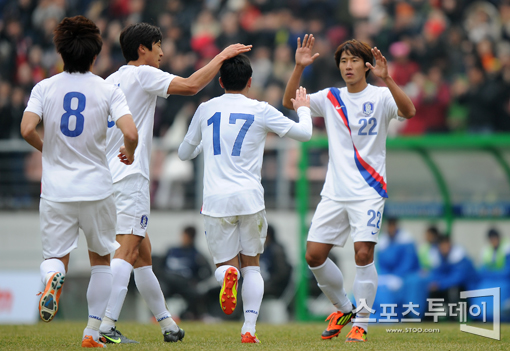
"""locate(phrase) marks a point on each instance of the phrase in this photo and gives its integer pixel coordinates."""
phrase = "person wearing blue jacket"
(452, 271)
(494, 272)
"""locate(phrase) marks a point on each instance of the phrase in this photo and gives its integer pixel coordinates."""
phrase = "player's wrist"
(387, 79)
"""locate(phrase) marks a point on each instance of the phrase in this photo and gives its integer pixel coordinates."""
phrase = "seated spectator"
(274, 266)
(494, 272)
(396, 258)
(427, 252)
(452, 271)
(183, 268)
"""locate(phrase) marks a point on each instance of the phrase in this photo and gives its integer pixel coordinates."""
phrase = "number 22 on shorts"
(372, 220)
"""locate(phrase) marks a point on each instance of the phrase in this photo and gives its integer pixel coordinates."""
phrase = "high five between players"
(357, 118)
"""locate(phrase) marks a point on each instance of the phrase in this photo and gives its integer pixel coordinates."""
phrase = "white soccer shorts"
(60, 223)
(333, 221)
(132, 197)
(229, 236)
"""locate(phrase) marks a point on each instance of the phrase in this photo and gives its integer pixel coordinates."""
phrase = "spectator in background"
(184, 268)
(428, 252)
(481, 97)
(494, 271)
(402, 68)
(274, 266)
(396, 260)
(431, 100)
(452, 271)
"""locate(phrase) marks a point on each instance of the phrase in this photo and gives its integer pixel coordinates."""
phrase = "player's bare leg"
(364, 288)
(149, 288)
(253, 291)
(331, 281)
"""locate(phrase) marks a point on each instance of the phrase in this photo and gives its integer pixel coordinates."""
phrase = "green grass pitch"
(226, 337)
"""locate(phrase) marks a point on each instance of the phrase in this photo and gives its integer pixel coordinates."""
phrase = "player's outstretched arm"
(405, 106)
(198, 80)
(188, 151)
(128, 128)
(301, 131)
(29, 122)
(303, 58)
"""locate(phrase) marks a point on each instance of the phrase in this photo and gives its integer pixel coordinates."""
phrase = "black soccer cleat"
(171, 336)
(115, 337)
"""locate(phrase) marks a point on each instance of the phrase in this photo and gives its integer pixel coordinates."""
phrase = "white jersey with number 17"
(74, 108)
(233, 131)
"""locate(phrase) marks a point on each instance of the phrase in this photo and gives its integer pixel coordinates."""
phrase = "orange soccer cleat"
(88, 341)
(337, 320)
(357, 334)
(48, 303)
(228, 292)
(247, 338)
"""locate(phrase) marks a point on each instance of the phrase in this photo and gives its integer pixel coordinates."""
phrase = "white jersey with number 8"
(74, 108)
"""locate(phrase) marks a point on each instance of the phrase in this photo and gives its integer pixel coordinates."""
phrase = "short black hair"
(78, 40)
(136, 34)
(355, 48)
(191, 232)
(493, 233)
(444, 239)
(392, 220)
(235, 72)
(433, 230)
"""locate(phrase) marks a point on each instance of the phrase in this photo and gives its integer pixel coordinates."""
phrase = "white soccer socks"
(100, 285)
(331, 281)
(219, 273)
(121, 271)
(252, 292)
(149, 288)
(48, 267)
(364, 288)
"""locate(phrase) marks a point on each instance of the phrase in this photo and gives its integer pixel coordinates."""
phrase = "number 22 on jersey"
(215, 121)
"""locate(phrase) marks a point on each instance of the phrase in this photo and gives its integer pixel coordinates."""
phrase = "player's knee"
(363, 257)
(128, 254)
(313, 259)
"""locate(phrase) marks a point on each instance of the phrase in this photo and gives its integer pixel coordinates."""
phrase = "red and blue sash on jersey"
(374, 179)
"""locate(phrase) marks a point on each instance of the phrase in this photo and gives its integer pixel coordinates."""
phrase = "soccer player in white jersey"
(357, 118)
(231, 130)
(76, 182)
(142, 82)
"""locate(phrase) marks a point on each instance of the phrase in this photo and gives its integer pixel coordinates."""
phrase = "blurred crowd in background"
(451, 56)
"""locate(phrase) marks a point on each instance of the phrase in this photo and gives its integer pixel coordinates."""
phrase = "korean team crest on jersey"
(143, 221)
(368, 108)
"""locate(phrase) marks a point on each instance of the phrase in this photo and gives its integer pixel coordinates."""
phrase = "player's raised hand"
(234, 50)
(381, 65)
(304, 52)
(301, 99)
(125, 157)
